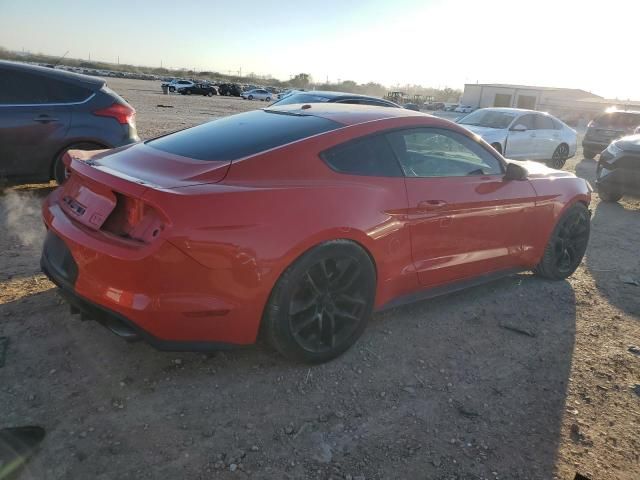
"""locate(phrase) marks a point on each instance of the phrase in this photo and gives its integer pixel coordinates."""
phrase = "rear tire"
(567, 245)
(209, 94)
(250, 97)
(559, 157)
(172, 89)
(268, 99)
(608, 196)
(59, 170)
(321, 304)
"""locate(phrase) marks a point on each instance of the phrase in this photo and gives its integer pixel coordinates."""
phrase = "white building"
(570, 104)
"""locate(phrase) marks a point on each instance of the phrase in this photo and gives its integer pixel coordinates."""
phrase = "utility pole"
(118, 59)
(89, 56)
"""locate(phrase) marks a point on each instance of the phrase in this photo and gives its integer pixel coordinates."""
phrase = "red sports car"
(298, 222)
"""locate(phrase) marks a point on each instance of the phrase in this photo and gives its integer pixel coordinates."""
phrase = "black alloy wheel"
(567, 245)
(560, 156)
(321, 304)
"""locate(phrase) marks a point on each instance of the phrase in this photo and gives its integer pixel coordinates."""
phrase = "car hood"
(630, 143)
(484, 132)
(145, 165)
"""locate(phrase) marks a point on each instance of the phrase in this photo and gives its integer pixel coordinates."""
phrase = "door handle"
(431, 204)
(45, 119)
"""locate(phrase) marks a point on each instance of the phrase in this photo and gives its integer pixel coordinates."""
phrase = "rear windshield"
(241, 135)
(618, 120)
(302, 98)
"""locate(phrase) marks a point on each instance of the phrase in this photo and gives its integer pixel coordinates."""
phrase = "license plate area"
(86, 203)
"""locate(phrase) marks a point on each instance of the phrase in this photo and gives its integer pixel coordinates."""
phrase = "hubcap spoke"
(327, 307)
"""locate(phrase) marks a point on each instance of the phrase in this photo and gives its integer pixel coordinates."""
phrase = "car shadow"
(458, 386)
(616, 265)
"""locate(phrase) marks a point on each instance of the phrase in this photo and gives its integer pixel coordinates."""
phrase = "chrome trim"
(48, 104)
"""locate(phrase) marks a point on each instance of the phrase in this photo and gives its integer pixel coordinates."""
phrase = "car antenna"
(61, 58)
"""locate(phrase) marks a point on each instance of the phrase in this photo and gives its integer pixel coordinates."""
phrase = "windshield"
(237, 136)
(488, 118)
(301, 98)
(617, 120)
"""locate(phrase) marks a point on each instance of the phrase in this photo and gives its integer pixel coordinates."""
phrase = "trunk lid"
(144, 165)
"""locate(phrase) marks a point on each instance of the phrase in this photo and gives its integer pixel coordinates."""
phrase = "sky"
(436, 43)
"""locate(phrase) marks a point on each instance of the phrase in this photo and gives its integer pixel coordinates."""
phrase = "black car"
(44, 112)
(230, 89)
(618, 171)
(607, 127)
(205, 89)
(334, 97)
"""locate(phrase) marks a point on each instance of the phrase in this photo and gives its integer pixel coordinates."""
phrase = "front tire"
(559, 157)
(567, 244)
(172, 89)
(589, 154)
(321, 304)
(250, 97)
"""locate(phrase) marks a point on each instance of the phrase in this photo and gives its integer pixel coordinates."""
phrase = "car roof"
(340, 95)
(93, 83)
(512, 110)
(346, 114)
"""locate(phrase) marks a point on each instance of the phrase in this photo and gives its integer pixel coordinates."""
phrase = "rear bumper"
(117, 323)
(156, 292)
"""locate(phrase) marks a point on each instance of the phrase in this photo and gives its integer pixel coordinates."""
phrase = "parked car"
(176, 84)
(451, 108)
(434, 106)
(463, 109)
(607, 127)
(317, 96)
(45, 112)
(382, 183)
(257, 94)
(286, 93)
(618, 171)
(524, 134)
(230, 89)
(205, 89)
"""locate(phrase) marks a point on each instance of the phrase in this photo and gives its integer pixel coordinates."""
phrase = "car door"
(546, 139)
(465, 219)
(520, 139)
(33, 123)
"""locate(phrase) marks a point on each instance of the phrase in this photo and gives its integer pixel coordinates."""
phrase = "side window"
(371, 156)
(528, 121)
(63, 92)
(428, 152)
(543, 122)
(22, 88)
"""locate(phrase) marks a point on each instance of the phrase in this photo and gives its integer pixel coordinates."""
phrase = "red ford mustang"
(299, 221)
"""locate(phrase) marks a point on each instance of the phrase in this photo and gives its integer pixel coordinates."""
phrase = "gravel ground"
(518, 379)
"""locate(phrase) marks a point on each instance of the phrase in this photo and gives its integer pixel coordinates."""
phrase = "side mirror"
(519, 128)
(515, 172)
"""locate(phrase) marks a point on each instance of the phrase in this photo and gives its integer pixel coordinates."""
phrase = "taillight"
(135, 220)
(124, 114)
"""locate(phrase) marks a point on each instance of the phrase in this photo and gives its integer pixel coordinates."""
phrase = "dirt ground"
(518, 379)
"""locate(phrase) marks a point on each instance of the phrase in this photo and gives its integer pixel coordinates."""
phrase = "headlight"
(614, 149)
